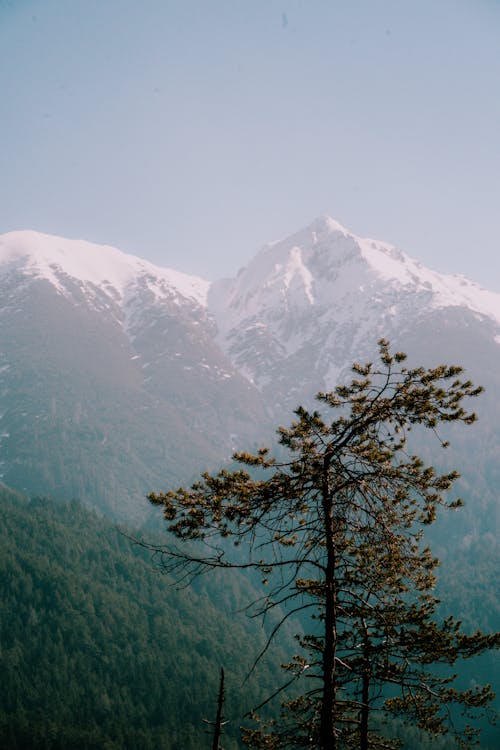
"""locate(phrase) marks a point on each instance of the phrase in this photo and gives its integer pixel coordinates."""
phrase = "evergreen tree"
(335, 529)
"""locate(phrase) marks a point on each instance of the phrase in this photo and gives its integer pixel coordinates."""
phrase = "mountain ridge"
(120, 269)
(341, 247)
(50, 256)
(143, 376)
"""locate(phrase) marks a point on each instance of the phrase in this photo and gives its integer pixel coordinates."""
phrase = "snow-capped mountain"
(141, 376)
(309, 305)
(109, 364)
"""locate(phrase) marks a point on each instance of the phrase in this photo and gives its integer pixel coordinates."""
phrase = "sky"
(192, 132)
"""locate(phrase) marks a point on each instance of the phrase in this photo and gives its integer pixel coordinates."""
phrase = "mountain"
(310, 305)
(305, 308)
(141, 376)
(111, 382)
(118, 377)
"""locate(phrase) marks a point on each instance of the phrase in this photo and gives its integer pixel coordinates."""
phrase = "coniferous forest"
(99, 650)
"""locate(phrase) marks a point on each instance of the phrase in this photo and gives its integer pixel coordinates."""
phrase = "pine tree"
(335, 530)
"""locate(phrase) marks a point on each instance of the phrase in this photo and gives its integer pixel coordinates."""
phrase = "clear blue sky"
(192, 132)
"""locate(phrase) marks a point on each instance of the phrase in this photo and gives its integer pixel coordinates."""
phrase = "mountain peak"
(54, 259)
(326, 225)
(327, 290)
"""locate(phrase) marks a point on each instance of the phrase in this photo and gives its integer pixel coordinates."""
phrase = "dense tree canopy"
(335, 530)
(97, 652)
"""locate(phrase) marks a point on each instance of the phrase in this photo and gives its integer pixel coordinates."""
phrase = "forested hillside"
(99, 651)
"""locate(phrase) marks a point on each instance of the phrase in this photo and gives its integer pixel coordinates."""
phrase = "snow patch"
(297, 271)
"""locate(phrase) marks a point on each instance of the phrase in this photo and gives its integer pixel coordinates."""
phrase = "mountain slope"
(98, 650)
(110, 381)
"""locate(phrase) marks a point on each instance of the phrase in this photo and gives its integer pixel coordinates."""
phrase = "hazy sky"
(192, 132)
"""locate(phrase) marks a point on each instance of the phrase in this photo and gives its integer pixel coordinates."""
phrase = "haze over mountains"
(141, 376)
(118, 378)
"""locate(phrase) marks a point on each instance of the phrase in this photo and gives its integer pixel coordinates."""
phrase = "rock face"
(118, 377)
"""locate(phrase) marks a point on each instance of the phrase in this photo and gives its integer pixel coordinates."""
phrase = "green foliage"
(98, 652)
(335, 529)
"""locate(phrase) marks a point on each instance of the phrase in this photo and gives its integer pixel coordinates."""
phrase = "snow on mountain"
(94, 342)
(307, 305)
(303, 270)
(55, 259)
(162, 312)
(290, 322)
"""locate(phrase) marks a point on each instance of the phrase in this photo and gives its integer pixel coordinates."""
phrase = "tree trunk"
(365, 694)
(328, 731)
(218, 718)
